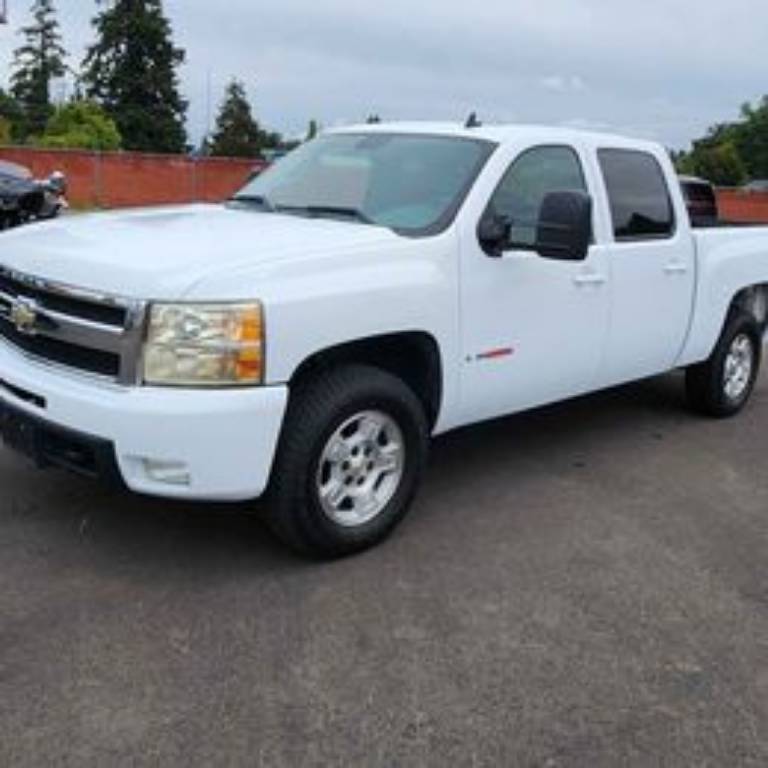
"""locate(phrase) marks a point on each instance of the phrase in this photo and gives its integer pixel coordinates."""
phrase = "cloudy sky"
(664, 69)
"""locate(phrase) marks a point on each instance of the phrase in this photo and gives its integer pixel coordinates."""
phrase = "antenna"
(472, 121)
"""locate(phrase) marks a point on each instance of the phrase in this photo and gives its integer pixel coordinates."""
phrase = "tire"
(722, 386)
(330, 417)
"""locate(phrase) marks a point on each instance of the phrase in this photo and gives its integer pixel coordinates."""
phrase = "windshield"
(16, 171)
(413, 184)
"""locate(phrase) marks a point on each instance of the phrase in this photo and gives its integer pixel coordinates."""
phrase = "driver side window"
(530, 178)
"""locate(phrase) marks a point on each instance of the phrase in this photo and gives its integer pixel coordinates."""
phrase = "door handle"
(589, 278)
(675, 268)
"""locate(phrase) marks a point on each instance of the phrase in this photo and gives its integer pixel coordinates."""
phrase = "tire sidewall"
(320, 406)
(396, 507)
(741, 324)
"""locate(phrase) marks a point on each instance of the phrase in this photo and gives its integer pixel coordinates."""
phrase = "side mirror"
(564, 231)
(57, 182)
(493, 233)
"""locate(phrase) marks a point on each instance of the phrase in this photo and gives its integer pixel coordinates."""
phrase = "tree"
(81, 125)
(131, 70)
(312, 130)
(5, 131)
(13, 115)
(735, 150)
(721, 164)
(750, 137)
(36, 63)
(237, 132)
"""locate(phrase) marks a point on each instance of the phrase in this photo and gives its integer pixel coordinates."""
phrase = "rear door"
(652, 265)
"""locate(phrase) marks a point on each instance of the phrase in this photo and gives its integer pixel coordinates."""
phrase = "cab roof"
(502, 133)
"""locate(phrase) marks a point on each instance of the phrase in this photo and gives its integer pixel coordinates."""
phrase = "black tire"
(706, 382)
(320, 406)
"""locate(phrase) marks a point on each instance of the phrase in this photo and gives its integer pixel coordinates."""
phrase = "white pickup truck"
(377, 286)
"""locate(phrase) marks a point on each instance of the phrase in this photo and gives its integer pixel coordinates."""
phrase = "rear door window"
(641, 207)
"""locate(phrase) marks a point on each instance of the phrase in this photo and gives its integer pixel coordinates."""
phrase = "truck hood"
(163, 253)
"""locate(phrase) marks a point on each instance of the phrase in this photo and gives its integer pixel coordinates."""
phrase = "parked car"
(382, 284)
(700, 200)
(24, 199)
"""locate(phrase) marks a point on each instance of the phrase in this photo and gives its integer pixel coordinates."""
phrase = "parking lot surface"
(586, 585)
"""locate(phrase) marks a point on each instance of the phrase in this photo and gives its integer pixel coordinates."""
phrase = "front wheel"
(722, 385)
(350, 458)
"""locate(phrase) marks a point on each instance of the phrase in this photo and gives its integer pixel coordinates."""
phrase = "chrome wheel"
(739, 364)
(360, 468)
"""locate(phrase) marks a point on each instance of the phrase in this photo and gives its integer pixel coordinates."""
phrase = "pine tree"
(36, 63)
(237, 132)
(131, 70)
(12, 114)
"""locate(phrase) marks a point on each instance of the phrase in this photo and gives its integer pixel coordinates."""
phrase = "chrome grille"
(89, 332)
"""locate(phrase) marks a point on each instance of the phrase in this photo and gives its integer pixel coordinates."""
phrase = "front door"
(534, 329)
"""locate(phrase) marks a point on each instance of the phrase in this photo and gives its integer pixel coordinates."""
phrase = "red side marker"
(493, 354)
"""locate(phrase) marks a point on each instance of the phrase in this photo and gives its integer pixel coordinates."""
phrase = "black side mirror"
(57, 183)
(493, 233)
(564, 231)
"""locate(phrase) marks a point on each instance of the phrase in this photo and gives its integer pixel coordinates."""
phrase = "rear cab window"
(638, 195)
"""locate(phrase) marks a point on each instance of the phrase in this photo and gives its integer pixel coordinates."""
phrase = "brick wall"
(127, 179)
(737, 205)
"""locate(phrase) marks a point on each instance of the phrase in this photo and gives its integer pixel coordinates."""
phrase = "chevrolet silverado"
(380, 285)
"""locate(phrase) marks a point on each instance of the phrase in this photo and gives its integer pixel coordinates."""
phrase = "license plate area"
(20, 434)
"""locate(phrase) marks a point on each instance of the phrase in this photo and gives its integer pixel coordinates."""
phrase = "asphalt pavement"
(584, 585)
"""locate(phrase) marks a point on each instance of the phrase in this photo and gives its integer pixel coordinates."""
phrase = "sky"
(660, 69)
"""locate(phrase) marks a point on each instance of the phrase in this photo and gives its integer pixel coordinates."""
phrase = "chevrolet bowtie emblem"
(24, 316)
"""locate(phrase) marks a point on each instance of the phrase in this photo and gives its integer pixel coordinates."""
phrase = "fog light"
(168, 472)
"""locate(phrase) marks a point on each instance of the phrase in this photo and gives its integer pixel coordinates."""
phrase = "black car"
(24, 198)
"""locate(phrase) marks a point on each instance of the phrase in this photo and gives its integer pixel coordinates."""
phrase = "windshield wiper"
(327, 210)
(259, 200)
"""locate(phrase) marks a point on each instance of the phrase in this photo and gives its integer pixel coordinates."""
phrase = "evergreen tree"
(36, 63)
(237, 132)
(131, 70)
(312, 130)
(12, 115)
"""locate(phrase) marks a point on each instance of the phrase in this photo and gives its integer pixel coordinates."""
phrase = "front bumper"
(220, 444)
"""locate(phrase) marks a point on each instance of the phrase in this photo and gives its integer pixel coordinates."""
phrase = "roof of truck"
(500, 133)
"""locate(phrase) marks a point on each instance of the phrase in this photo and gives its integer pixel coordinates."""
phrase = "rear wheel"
(722, 385)
(350, 458)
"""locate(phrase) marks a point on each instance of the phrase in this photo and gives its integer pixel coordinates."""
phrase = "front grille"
(86, 309)
(73, 355)
(99, 335)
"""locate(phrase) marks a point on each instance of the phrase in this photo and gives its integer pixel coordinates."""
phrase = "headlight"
(209, 345)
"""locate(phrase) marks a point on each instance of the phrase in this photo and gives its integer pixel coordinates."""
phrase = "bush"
(81, 125)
